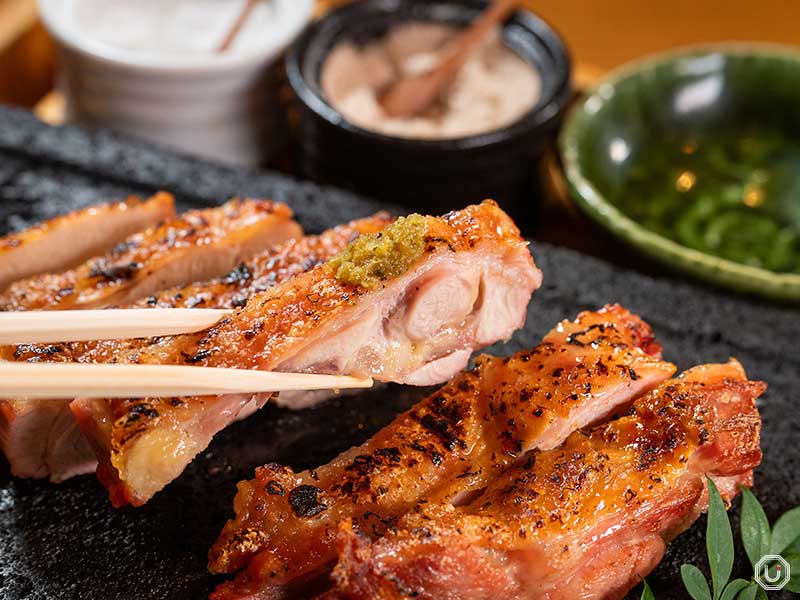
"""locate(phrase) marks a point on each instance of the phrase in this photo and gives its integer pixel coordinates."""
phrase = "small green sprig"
(758, 540)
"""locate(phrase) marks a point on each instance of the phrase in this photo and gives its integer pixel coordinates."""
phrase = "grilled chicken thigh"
(465, 282)
(443, 449)
(67, 241)
(585, 520)
(41, 437)
(197, 245)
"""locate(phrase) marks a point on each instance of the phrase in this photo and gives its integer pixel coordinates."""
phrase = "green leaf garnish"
(733, 589)
(754, 527)
(719, 541)
(695, 583)
(647, 593)
(758, 540)
(786, 531)
(749, 593)
(794, 567)
(793, 548)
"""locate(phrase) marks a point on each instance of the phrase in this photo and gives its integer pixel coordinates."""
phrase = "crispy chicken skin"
(42, 439)
(443, 449)
(585, 520)
(276, 265)
(316, 322)
(69, 240)
(197, 245)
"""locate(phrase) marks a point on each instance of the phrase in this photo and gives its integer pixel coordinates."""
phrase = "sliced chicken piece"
(276, 265)
(197, 245)
(69, 240)
(585, 520)
(444, 449)
(41, 438)
(321, 322)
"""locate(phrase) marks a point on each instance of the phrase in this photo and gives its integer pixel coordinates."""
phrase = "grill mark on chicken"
(446, 447)
(66, 241)
(109, 273)
(587, 520)
(305, 503)
(36, 350)
(204, 243)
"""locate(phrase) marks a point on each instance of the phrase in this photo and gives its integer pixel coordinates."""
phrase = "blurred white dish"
(180, 93)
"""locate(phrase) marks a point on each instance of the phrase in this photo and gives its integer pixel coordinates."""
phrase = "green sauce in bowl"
(736, 197)
(693, 158)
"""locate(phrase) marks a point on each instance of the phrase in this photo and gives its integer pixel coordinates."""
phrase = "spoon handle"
(460, 48)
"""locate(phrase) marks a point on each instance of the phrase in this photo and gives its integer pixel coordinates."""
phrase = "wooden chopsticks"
(78, 380)
(45, 327)
(81, 380)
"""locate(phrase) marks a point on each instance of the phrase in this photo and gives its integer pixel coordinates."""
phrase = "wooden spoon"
(241, 19)
(412, 95)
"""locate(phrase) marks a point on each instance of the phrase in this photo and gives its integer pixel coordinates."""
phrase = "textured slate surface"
(67, 542)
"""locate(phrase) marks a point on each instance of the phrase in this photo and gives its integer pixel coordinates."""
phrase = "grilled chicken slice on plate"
(585, 520)
(443, 449)
(69, 240)
(40, 437)
(196, 245)
(408, 305)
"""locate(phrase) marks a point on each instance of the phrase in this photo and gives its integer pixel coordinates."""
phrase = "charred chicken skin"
(465, 283)
(444, 449)
(197, 245)
(585, 520)
(269, 268)
(69, 240)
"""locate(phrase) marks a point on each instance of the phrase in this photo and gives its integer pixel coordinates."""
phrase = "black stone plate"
(65, 541)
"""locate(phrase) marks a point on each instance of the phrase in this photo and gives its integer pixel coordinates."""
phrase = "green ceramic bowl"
(631, 150)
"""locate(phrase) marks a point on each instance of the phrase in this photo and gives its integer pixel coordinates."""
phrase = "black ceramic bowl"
(430, 175)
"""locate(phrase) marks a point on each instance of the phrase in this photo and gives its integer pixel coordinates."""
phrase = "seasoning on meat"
(372, 259)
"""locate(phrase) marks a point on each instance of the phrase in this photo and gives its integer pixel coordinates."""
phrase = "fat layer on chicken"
(405, 329)
(445, 448)
(67, 241)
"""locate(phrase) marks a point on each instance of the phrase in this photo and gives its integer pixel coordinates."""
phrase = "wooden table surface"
(605, 34)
